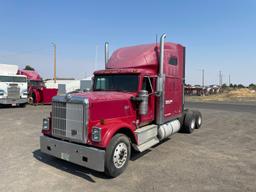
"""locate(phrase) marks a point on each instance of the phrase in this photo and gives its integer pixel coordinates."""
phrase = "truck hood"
(108, 104)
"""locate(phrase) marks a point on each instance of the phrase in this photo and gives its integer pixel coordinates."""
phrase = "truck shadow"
(9, 107)
(136, 155)
(78, 170)
(71, 168)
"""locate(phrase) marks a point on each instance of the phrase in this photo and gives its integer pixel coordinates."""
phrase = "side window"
(147, 84)
(173, 60)
(100, 83)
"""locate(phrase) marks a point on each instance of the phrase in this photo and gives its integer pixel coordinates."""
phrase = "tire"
(31, 100)
(23, 105)
(199, 119)
(189, 122)
(117, 155)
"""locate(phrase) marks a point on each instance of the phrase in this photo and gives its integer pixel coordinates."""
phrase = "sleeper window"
(173, 60)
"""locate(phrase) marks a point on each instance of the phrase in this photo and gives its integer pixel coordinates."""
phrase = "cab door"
(149, 84)
(172, 87)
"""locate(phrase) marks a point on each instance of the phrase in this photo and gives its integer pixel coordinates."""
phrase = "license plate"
(13, 104)
(65, 156)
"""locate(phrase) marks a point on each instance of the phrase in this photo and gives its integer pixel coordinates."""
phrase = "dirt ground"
(220, 156)
(242, 95)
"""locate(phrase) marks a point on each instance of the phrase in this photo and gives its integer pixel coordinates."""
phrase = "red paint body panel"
(31, 75)
(48, 94)
(40, 93)
(115, 108)
(108, 104)
(173, 83)
(110, 127)
(141, 56)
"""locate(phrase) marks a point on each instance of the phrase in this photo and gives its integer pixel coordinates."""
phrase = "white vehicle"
(13, 87)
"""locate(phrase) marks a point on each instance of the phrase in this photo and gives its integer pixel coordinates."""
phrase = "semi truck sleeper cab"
(136, 102)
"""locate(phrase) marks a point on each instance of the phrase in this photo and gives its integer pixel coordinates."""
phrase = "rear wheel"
(189, 122)
(199, 119)
(117, 155)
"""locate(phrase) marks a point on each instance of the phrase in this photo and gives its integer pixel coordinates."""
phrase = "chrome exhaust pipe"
(106, 54)
(161, 65)
(160, 84)
(161, 62)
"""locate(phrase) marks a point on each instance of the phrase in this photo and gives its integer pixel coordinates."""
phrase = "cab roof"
(140, 56)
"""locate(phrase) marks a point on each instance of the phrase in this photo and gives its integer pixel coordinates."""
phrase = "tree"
(231, 85)
(252, 86)
(29, 68)
(240, 86)
(224, 86)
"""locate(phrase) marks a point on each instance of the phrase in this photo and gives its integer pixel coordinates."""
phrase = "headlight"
(1, 92)
(25, 92)
(96, 134)
(45, 124)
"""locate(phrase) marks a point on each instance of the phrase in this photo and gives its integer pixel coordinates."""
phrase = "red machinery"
(136, 102)
(37, 92)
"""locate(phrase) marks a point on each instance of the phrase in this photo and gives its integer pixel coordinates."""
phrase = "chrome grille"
(59, 119)
(13, 92)
(69, 120)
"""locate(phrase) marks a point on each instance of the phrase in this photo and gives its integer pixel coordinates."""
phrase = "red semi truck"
(37, 92)
(136, 102)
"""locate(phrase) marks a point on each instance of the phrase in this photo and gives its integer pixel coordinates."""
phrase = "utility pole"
(220, 78)
(229, 82)
(202, 77)
(54, 61)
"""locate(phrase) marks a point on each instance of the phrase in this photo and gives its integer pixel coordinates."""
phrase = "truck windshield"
(127, 83)
(13, 79)
(36, 83)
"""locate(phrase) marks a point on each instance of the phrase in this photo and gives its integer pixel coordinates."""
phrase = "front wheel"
(117, 155)
(23, 105)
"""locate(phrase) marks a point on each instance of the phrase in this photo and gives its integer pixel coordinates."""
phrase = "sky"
(219, 35)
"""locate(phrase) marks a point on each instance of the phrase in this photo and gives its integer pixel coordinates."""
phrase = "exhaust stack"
(106, 54)
(160, 84)
(161, 62)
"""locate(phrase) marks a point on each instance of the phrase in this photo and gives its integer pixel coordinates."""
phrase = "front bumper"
(8, 101)
(89, 157)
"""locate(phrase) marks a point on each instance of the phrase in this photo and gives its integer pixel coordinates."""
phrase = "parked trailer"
(200, 91)
(13, 87)
(195, 90)
(136, 102)
(37, 92)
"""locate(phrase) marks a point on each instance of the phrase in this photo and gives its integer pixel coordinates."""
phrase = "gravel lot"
(221, 156)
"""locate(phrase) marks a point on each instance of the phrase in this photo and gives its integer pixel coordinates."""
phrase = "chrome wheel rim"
(120, 155)
(199, 120)
(193, 123)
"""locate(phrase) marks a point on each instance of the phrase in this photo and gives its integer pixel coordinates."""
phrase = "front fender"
(110, 129)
